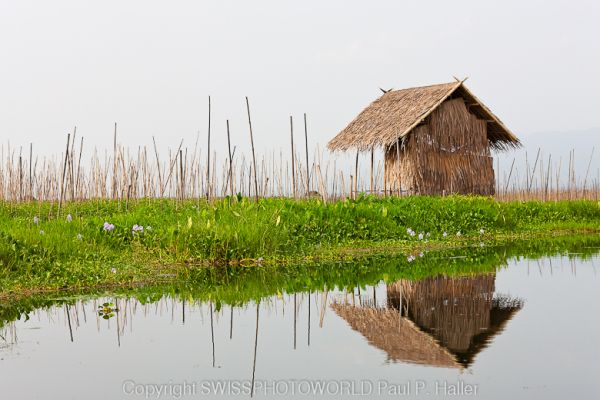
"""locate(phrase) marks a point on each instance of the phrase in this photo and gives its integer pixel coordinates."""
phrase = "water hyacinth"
(69, 218)
(36, 220)
(481, 231)
(79, 237)
(410, 258)
(137, 229)
(445, 234)
(421, 236)
(42, 232)
(113, 270)
(458, 234)
(108, 227)
(148, 228)
(410, 232)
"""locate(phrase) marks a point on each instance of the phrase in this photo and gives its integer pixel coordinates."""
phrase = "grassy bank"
(231, 285)
(97, 243)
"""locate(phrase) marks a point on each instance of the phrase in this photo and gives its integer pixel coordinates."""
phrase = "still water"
(528, 329)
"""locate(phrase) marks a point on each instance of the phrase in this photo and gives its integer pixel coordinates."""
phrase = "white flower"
(36, 220)
(148, 228)
(421, 254)
(458, 234)
(42, 232)
(113, 270)
(410, 258)
(420, 236)
(481, 231)
(445, 234)
(69, 218)
(481, 244)
(79, 237)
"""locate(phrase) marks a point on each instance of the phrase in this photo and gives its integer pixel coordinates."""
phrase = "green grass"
(187, 237)
(237, 286)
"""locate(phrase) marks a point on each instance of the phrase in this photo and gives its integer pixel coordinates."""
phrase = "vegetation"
(237, 286)
(98, 243)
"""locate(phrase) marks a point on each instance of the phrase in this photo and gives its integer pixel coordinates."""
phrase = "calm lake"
(524, 328)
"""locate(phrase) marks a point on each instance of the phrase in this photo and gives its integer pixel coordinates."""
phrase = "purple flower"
(137, 229)
(108, 227)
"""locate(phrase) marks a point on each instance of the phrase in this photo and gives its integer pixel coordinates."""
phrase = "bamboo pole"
(253, 153)
(208, 155)
(230, 174)
(307, 164)
(293, 158)
(62, 184)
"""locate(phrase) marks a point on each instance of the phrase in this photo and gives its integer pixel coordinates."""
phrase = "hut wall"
(448, 154)
(453, 309)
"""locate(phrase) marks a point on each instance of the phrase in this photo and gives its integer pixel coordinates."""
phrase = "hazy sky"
(150, 65)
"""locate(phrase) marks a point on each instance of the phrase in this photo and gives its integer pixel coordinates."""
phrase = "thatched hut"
(436, 139)
(441, 321)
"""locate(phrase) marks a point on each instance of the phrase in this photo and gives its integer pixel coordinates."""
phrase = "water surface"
(525, 328)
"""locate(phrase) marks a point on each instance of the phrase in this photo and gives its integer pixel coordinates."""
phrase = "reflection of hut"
(441, 321)
(436, 139)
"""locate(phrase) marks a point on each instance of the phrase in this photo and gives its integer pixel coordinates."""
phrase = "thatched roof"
(399, 337)
(395, 114)
(444, 321)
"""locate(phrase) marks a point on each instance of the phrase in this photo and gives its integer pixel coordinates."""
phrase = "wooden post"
(307, 165)
(115, 164)
(30, 171)
(293, 158)
(253, 153)
(62, 184)
(230, 162)
(181, 177)
(208, 157)
(372, 161)
(399, 180)
(356, 175)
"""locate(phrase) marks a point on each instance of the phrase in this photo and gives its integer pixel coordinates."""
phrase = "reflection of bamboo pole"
(323, 307)
(255, 348)
(117, 317)
(183, 312)
(309, 293)
(295, 312)
(212, 334)
(231, 324)
(69, 321)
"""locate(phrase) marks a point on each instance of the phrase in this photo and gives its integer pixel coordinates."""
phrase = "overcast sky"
(150, 65)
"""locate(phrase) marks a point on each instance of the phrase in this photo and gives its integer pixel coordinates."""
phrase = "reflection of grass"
(238, 285)
(158, 240)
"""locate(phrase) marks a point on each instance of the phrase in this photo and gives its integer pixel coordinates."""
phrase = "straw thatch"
(399, 337)
(442, 321)
(462, 313)
(437, 139)
(396, 113)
